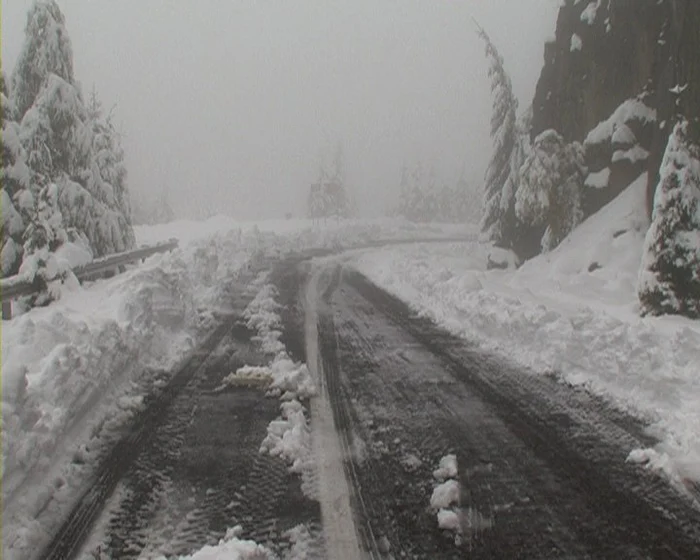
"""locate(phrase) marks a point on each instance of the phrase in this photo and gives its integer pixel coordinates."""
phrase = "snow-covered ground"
(74, 372)
(574, 312)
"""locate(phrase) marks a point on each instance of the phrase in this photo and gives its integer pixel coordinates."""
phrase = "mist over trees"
(64, 178)
(328, 197)
(424, 197)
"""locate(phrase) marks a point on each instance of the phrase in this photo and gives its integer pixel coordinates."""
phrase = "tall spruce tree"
(497, 200)
(14, 181)
(65, 144)
(47, 50)
(549, 196)
(669, 278)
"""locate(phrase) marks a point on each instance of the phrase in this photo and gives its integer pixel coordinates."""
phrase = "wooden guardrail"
(18, 286)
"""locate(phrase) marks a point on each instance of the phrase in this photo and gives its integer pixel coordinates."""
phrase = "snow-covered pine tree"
(106, 176)
(47, 50)
(57, 134)
(503, 133)
(334, 187)
(14, 182)
(669, 278)
(549, 196)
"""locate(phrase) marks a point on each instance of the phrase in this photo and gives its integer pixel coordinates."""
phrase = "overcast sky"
(237, 101)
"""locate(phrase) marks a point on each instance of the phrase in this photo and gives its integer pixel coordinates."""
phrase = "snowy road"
(540, 467)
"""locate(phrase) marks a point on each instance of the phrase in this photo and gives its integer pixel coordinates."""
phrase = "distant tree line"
(422, 198)
(328, 196)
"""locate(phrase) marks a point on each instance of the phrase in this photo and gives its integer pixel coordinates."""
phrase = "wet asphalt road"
(542, 469)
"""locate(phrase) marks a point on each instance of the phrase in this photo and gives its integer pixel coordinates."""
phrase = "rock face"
(631, 64)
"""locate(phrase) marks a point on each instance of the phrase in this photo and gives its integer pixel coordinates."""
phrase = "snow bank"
(231, 548)
(290, 436)
(445, 495)
(573, 311)
(75, 371)
(447, 468)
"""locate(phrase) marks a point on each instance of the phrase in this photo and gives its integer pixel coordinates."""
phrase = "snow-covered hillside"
(572, 312)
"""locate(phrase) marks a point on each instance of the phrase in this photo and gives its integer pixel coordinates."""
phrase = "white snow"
(290, 436)
(447, 468)
(576, 43)
(231, 548)
(75, 371)
(572, 311)
(633, 155)
(445, 495)
(599, 179)
(448, 519)
(631, 109)
(623, 135)
(589, 13)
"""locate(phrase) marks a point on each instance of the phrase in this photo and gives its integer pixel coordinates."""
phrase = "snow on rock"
(447, 468)
(573, 311)
(599, 179)
(445, 495)
(633, 155)
(623, 135)
(590, 11)
(576, 43)
(631, 109)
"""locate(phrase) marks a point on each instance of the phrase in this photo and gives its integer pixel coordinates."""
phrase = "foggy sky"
(237, 102)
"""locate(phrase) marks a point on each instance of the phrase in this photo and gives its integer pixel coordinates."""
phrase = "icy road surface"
(420, 447)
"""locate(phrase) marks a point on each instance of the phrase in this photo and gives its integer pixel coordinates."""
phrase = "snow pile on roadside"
(74, 372)
(447, 468)
(446, 500)
(231, 548)
(573, 312)
(290, 436)
(445, 495)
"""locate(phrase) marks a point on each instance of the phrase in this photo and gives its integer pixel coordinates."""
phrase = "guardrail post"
(7, 310)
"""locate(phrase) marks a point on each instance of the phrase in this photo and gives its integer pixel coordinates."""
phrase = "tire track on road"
(543, 461)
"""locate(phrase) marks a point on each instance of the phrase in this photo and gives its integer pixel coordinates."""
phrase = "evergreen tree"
(162, 211)
(669, 279)
(550, 192)
(47, 50)
(14, 181)
(503, 133)
(65, 144)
